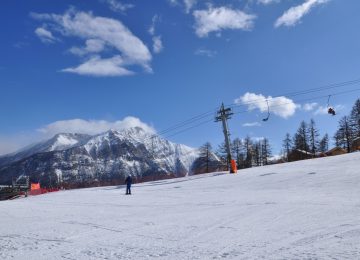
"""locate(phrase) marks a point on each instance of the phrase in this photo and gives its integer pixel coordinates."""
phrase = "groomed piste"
(301, 210)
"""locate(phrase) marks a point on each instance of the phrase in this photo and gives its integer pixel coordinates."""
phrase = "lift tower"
(223, 115)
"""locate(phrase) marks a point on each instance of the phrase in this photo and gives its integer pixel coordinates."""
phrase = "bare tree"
(205, 154)
(248, 146)
(237, 148)
(344, 135)
(221, 152)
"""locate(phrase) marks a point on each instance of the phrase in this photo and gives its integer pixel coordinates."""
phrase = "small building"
(336, 151)
(355, 145)
(297, 154)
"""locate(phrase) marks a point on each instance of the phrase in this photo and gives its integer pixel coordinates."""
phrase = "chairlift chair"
(268, 115)
(331, 110)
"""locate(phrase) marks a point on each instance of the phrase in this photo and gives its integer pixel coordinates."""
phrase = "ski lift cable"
(289, 94)
(248, 110)
(305, 99)
(292, 94)
(278, 105)
(304, 92)
(328, 101)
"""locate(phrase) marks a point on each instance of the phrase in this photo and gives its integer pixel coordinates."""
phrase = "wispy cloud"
(189, 4)
(186, 4)
(280, 106)
(157, 42)
(205, 52)
(293, 16)
(252, 124)
(222, 18)
(118, 6)
(309, 106)
(45, 35)
(266, 2)
(99, 33)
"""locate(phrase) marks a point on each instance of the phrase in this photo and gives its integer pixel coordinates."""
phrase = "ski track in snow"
(301, 210)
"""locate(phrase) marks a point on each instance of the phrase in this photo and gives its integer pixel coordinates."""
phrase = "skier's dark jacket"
(128, 180)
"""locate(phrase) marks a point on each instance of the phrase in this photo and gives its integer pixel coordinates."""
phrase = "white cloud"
(189, 4)
(92, 127)
(266, 2)
(217, 19)
(157, 44)
(96, 66)
(293, 16)
(91, 46)
(280, 106)
(205, 52)
(309, 106)
(98, 33)
(173, 2)
(45, 35)
(118, 6)
(251, 124)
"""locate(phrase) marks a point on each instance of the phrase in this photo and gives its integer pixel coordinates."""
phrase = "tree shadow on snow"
(267, 174)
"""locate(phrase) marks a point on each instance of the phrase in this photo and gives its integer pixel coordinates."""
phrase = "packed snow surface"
(301, 210)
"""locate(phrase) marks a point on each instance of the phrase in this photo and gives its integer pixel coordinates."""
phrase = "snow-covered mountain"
(108, 157)
(59, 142)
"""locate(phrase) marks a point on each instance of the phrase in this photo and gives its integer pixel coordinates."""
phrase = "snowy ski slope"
(301, 210)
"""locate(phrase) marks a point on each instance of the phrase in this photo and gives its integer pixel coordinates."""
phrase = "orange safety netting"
(35, 186)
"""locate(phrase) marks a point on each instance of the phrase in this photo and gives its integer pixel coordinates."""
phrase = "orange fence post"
(233, 166)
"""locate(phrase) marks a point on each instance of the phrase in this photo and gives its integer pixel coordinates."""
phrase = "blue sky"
(90, 65)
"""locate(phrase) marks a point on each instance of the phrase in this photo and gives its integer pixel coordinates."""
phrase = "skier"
(331, 111)
(128, 182)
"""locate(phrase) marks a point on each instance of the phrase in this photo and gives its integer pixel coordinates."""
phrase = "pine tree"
(344, 135)
(266, 151)
(355, 119)
(313, 134)
(301, 139)
(287, 145)
(324, 144)
(257, 153)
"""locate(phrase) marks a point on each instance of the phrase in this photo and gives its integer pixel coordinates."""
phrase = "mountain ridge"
(107, 157)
